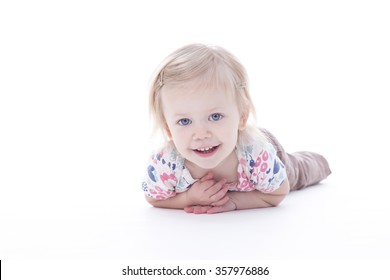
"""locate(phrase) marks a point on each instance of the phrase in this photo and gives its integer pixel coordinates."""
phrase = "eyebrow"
(212, 110)
(179, 115)
(216, 109)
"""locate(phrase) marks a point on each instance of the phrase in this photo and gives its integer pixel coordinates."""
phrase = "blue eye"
(215, 117)
(184, 122)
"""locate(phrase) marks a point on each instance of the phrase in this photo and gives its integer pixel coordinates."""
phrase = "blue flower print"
(151, 173)
(276, 166)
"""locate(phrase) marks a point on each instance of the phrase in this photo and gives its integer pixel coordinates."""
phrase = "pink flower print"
(243, 175)
(265, 156)
(258, 161)
(168, 180)
(245, 186)
(161, 194)
(264, 167)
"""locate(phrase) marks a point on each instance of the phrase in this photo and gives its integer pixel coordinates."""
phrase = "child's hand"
(229, 206)
(208, 192)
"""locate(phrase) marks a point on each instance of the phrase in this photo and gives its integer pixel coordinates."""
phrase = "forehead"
(190, 98)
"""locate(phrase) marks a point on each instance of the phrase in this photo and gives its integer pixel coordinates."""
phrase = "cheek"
(232, 135)
(229, 136)
(179, 137)
(231, 128)
(173, 129)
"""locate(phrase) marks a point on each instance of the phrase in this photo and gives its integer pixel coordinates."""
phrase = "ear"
(243, 121)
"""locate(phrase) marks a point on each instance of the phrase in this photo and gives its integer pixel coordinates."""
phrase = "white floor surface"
(338, 219)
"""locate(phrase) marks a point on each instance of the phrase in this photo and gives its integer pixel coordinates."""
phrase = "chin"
(207, 166)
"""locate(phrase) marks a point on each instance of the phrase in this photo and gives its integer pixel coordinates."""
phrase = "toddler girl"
(213, 160)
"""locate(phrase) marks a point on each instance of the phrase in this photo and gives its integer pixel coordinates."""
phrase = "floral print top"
(259, 168)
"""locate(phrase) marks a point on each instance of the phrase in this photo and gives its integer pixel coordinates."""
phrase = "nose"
(201, 132)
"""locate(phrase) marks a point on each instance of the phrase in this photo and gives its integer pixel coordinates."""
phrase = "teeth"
(205, 149)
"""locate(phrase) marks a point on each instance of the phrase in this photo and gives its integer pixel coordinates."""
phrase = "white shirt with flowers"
(259, 168)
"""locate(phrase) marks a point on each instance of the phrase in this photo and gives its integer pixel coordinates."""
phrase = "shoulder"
(261, 165)
(252, 143)
(166, 154)
(165, 174)
(161, 176)
(164, 159)
(254, 153)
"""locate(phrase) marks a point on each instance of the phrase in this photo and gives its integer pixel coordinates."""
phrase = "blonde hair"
(209, 66)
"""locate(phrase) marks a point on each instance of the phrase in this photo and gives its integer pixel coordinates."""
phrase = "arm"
(245, 200)
(257, 199)
(204, 192)
(179, 201)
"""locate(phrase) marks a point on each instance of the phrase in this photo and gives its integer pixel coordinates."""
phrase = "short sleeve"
(164, 175)
(263, 170)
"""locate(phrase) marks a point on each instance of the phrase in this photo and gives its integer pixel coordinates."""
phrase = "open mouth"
(206, 150)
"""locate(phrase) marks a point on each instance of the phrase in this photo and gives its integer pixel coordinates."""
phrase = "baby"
(213, 160)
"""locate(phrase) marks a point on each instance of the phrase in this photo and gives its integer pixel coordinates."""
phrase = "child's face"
(203, 124)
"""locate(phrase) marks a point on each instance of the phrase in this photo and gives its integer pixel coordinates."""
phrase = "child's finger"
(229, 206)
(208, 176)
(206, 185)
(220, 194)
(189, 209)
(201, 209)
(216, 187)
(215, 210)
(221, 201)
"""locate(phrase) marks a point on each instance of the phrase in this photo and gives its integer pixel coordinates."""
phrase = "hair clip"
(241, 85)
(161, 83)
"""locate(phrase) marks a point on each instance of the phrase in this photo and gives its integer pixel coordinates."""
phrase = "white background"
(75, 132)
